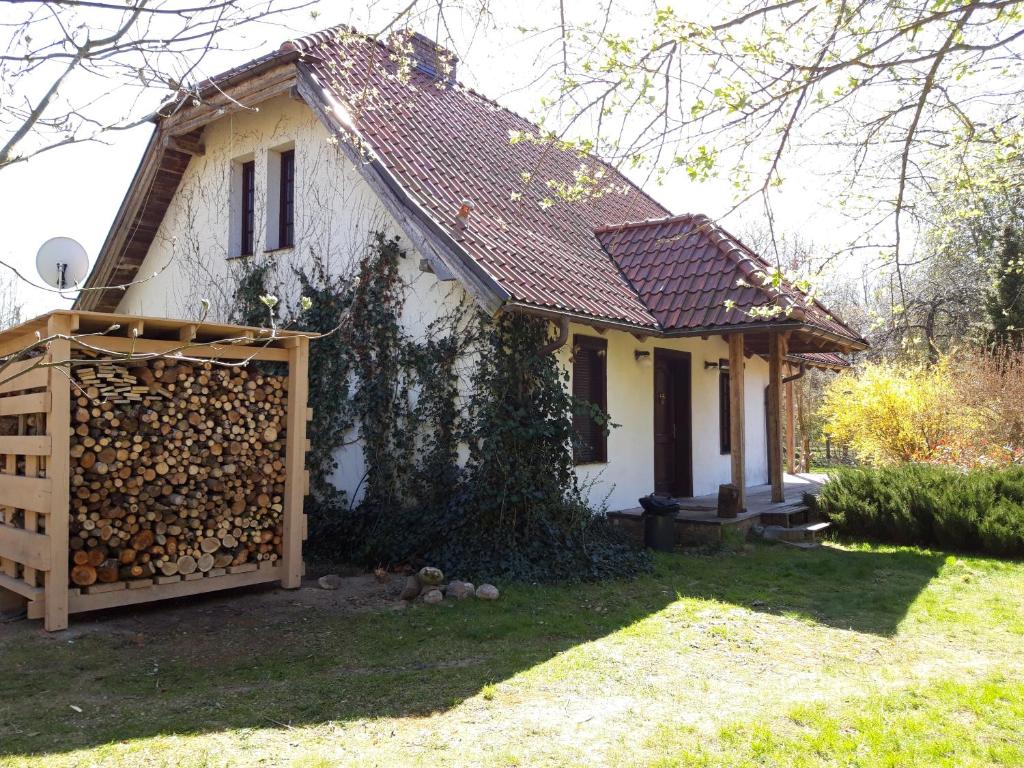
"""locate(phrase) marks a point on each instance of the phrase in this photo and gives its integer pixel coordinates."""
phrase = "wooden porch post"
(776, 354)
(790, 430)
(737, 422)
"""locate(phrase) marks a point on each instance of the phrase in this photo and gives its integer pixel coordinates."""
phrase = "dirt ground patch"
(211, 611)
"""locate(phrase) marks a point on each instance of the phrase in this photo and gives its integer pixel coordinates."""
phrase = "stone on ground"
(330, 581)
(460, 590)
(487, 592)
(430, 577)
(411, 590)
(433, 596)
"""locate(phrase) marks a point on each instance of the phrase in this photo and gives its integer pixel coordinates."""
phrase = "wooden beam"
(295, 461)
(776, 355)
(31, 378)
(186, 145)
(19, 587)
(25, 445)
(31, 493)
(737, 416)
(790, 430)
(58, 427)
(118, 345)
(244, 95)
(36, 402)
(29, 549)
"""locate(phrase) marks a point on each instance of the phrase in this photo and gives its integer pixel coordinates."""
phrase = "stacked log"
(177, 470)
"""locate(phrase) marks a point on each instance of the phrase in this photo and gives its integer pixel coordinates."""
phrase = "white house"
(310, 149)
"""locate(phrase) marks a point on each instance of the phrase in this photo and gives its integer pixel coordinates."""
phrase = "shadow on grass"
(223, 663)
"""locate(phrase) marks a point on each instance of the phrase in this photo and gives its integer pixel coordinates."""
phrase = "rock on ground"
(460, 590)
(487, 592)
(430, 577)
(330, 581)
(433, 596)
(412, 588)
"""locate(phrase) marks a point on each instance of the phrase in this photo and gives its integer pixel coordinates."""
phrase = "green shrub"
(976, 511)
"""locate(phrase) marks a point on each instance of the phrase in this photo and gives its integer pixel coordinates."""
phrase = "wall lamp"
(642, 355)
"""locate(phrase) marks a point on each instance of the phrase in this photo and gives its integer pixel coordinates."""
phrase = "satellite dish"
(62, 262)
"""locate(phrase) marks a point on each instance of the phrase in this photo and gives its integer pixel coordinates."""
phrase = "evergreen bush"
(974, 511)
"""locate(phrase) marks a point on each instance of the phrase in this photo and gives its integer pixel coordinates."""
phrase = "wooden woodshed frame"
(34, 469)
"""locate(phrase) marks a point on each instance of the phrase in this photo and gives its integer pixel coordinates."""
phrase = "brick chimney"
(433, 60)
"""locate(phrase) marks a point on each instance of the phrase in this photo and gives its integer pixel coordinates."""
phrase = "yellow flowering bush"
(890, 413)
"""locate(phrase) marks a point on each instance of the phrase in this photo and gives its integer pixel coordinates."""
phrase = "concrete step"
(806, 533)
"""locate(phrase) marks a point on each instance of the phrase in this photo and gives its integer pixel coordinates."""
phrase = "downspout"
(559, 341)
(798, 375)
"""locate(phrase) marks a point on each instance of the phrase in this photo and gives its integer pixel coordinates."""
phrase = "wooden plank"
(32, 493)
(58, 427)
(36, 402)
(295, 462)
(99, 589)
(26, 547)
(80, 603)
(31, 518)
(737, 416)
(25, 445)
(7, 370)
(32, 379)
(776, 354)
(20, 587)
(245, 95)
(234, 352)
(13, 344)
(9, 567)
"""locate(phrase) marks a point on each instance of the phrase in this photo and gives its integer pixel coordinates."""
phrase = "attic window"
(243, 207)
(281, 198)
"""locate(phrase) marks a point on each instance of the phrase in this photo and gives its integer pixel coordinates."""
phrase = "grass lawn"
(866, 656)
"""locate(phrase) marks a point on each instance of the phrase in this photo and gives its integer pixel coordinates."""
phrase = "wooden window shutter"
(724, 413)
(590, 384)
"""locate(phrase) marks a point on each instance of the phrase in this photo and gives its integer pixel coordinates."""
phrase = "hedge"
(972, 511)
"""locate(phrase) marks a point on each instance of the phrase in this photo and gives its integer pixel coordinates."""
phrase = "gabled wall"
(335, 215)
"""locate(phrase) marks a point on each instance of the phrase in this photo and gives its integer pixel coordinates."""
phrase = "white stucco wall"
(335, 213)
(629, 472)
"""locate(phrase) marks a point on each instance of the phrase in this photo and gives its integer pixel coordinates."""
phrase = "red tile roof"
(694, 275)
(819, 359)
(449, 144)
(443, 144)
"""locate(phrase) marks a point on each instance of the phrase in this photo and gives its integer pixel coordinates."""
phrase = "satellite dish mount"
(62, 263)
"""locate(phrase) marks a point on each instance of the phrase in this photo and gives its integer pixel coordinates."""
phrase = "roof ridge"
(605, 228)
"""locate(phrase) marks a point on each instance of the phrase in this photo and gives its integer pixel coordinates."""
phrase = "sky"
(75, 191)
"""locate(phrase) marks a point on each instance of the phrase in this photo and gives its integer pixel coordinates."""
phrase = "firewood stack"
(177, 471)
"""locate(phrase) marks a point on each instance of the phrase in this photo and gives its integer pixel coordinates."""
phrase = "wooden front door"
(673, 465)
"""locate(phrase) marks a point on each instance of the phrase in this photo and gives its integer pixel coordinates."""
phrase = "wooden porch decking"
(697, 521)
(759, 500)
